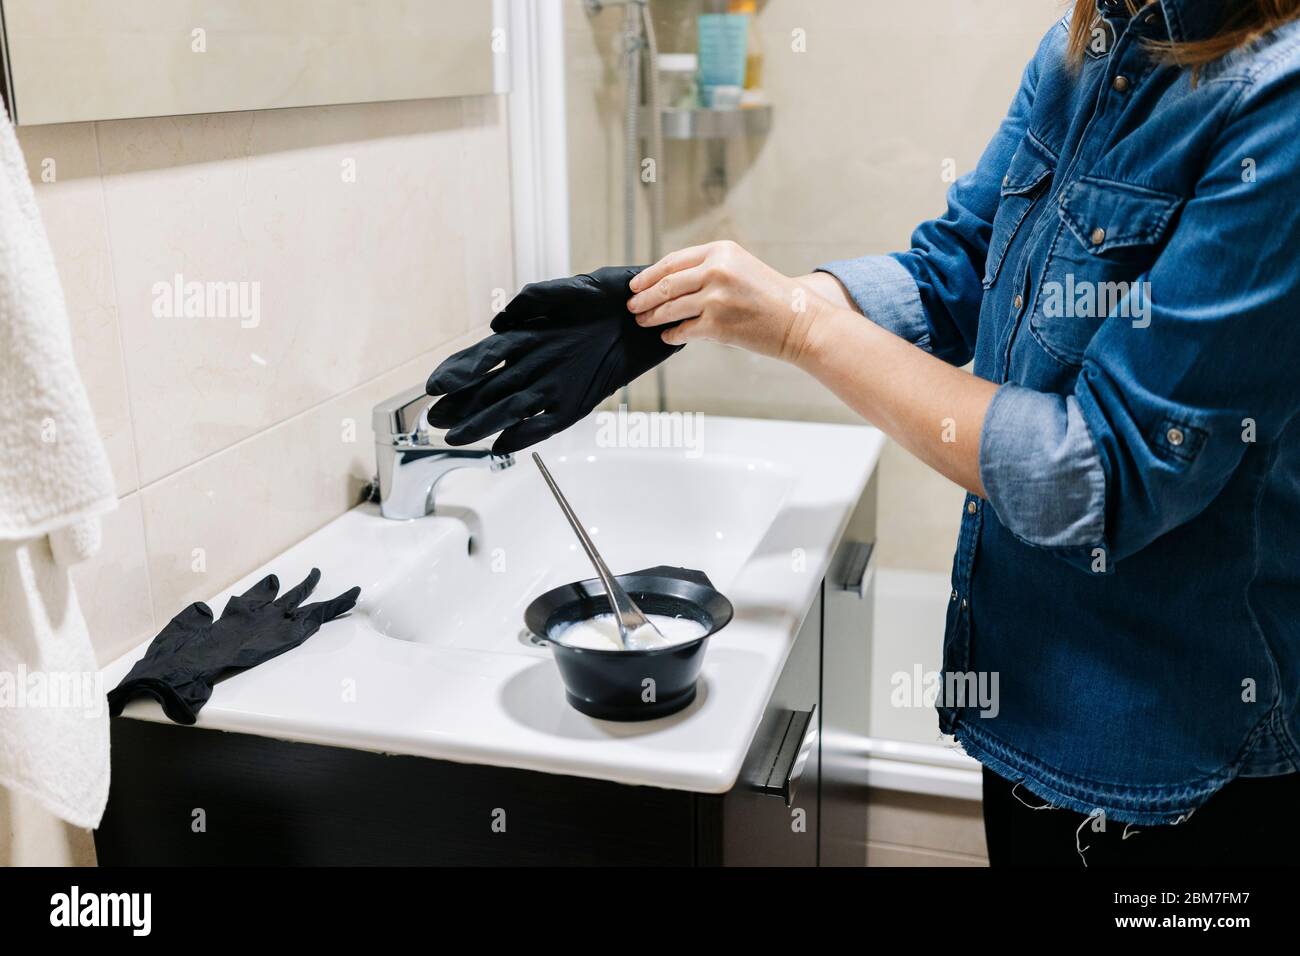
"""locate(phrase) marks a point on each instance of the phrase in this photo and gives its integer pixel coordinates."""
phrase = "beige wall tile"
(64, 168)
(113, 587)
(213, 522)
(920, 513)
(355, 277)
(594, 99)
(486, 214)
(244, 432)
(866, 118)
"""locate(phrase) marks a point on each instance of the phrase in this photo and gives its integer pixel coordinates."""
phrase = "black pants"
(1252, 821)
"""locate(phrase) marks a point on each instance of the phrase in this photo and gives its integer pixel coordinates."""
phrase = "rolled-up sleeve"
(1164, 410)
(1041, 470)
(886, 293)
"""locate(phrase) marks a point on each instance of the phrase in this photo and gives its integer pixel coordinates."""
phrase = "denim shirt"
(1124, 262)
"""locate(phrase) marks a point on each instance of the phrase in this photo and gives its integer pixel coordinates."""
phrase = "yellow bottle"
(754, 54)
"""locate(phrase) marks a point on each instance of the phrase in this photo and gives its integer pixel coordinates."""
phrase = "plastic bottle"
(754, 51)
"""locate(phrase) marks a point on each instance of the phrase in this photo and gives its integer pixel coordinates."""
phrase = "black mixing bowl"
(631, 685)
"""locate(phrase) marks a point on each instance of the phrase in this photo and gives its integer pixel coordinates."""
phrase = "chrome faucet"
(411, 462)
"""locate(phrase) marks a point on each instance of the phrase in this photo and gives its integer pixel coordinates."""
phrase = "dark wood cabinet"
(759, 824)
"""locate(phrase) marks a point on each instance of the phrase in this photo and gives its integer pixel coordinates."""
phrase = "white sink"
(636, 506)
(431, 661)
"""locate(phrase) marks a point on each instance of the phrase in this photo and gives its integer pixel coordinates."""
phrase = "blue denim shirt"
(1124, 262)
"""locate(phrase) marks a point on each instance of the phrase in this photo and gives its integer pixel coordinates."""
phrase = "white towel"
(53, 712)
(53, 469)
(54, 483)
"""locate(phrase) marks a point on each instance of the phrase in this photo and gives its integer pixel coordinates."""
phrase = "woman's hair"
(1243, 21)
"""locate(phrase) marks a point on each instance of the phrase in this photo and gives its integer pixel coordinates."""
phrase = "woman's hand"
(722, 293)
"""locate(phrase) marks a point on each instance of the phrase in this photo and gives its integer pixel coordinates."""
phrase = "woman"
(1122, 267)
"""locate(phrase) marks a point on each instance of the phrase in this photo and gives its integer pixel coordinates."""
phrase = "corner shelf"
(715, 124)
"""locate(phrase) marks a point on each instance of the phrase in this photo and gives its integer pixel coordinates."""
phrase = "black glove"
(193, 652)
(567, 344)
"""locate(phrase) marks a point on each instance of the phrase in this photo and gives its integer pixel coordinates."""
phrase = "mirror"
(77, 60)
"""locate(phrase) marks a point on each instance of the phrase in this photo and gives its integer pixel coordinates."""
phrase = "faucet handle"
(401, 418)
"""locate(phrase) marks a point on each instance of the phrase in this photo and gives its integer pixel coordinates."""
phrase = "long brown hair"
(1243, 22)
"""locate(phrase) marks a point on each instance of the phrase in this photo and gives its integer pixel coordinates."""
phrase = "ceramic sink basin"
(433, 661)
(499, 540)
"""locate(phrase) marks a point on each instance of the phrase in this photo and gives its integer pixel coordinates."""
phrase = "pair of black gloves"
(562, 347)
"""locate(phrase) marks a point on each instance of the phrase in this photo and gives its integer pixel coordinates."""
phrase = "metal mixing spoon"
(635, 630)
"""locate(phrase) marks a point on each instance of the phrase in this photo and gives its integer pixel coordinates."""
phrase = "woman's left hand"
(722, 293)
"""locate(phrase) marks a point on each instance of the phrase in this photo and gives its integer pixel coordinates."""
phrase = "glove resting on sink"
(563, 346)
(193, 651)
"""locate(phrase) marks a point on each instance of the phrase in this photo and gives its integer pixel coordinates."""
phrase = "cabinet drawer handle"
(792, 756)
(854, 567)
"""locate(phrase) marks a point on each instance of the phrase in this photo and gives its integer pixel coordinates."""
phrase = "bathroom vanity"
(425, 728)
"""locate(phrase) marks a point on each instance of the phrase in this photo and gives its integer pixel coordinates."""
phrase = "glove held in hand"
(563, 346)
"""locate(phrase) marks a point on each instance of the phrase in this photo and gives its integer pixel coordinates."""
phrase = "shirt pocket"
(1110, 234)
(1031, 166)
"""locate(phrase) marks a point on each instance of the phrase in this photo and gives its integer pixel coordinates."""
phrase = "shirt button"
(965, 603)
(1175, 436)
(1121, 84)
(971, 507)
(954, 595)
(1098, 236)
(1018, 302)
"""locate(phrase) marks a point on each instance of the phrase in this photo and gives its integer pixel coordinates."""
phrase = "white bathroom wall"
(373, 235)
(884, 100)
